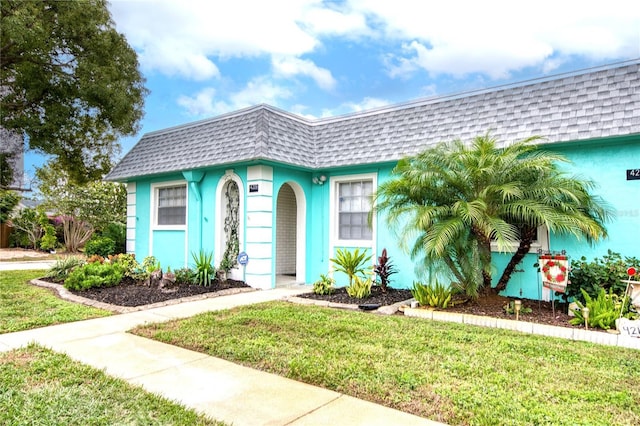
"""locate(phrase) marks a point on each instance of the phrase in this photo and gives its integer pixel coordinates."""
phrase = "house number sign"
(253, 187)
(633, 174)
(628, 327)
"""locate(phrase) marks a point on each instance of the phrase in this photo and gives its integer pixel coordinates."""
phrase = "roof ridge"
(473, 92)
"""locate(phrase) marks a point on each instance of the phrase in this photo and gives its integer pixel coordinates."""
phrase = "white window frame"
(155, 189)
(335, 182)
(540, 243)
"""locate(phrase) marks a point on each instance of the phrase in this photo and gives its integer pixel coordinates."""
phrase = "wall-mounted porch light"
(319, 180)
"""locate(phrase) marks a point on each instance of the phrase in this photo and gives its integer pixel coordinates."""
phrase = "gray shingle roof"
(600, 103)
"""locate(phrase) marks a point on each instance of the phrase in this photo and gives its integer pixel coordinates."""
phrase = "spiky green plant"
(360, 288)
(351, 263)
(435, 295)
(205, 271)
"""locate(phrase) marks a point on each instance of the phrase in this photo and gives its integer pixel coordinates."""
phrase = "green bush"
(436, 295)
(601, 273)
(603, 309)
(63, 267)
(49, 241)
(102, 246)
(94, 275)
(118, 233)
(360, 288)
(324, 285)
(128, 262)
(186, 276)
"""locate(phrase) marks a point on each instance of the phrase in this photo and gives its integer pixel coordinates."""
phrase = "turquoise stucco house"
(289, 191)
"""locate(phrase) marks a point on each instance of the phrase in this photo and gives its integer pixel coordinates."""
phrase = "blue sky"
(202, 58)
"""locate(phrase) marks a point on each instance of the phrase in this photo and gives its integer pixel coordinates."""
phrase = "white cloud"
(181, 37)
(366, 104)
(497, 37)
(323, 21)
(202, 104)
(290, 67)
(494, 37)
(208, 102)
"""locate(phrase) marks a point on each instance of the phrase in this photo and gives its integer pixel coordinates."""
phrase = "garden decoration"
(624, 325)
(555, 273)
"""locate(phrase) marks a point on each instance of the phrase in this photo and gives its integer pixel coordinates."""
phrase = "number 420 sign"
(633, 174)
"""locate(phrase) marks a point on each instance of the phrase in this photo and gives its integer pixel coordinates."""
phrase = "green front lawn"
(24, 306)
(455, 373)
(41, 387)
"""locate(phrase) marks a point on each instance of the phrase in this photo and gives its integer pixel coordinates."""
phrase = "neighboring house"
(296, 189)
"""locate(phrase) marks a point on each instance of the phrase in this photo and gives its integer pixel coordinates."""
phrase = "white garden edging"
(577, 334)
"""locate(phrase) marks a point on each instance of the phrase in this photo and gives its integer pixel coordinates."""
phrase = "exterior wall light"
(319, 180)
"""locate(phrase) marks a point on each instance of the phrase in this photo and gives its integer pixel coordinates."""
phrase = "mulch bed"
(493, 305)
(487, 305)
(130, 293)
(378, 297)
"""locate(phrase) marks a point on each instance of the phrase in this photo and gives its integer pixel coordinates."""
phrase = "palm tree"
(453, 200)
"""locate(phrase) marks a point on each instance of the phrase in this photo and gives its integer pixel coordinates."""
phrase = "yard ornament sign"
(555, 271)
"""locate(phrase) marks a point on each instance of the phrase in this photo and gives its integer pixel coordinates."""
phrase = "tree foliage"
(34, 224)
(68, 81)
(97, 203)
(81, 208)
(454, 200)
(8, 201)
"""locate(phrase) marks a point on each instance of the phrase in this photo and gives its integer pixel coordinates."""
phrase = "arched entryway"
(229, 221)
(290, 235)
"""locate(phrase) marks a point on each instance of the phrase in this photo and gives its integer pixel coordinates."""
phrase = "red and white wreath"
(555, 270)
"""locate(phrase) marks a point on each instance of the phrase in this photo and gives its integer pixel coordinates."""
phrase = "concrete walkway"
(220, 389)
(31, 264)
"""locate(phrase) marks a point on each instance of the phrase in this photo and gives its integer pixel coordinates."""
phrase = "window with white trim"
(354, 204)
(541, 242)
(171, 207)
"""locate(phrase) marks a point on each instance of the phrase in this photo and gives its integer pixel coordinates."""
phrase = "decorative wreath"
(554, 271)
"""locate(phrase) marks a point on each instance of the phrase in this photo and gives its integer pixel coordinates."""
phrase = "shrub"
(186, 276)
(383, 269)
(28, 223)
(94, 275)
(63, 267)
(128, 262)
(601, 273)
(49, 240)
(118, 233)
(205, 271)
(351, 263)
(360, 288)
(102, 246)
(435, 295)
(324, 285)
(603, 309)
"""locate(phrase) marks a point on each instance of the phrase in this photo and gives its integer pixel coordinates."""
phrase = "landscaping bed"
(378, 297)
(492, 305)
(130, 293)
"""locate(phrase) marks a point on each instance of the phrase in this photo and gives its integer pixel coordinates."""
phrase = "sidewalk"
(218, 388)
(24, 265)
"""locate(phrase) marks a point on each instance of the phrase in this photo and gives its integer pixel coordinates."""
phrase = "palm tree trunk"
(484, 243)
(528, 234)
